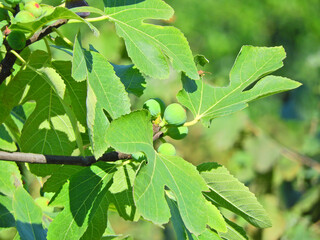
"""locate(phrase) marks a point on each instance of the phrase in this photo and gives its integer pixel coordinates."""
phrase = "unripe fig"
(155, 106)
(177, 133)
(167, 149)
(24, 17)
(175, 114)
(34, 8)
(139, 156)
(78, 3)
(16, 40)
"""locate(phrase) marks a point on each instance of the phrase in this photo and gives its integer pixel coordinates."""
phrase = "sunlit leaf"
(228, 192)
(28, 216)
(150, 46)
(252, 64)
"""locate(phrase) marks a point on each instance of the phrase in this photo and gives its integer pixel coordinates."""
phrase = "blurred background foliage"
(274, 145)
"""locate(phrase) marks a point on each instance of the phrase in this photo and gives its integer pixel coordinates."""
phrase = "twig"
(55, 159)
(70, 160)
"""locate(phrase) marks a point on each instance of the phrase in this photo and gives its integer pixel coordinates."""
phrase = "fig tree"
(177, 133)
(16, 40)
(24, 17)
(175, 114)
(34, 8)
(155, 106)
(167, 149)
(78, 3)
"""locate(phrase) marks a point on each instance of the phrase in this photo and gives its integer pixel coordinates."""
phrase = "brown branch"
(70, 160)
(56, 159)
(9, 59)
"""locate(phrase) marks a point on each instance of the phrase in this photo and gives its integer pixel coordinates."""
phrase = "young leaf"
(228, 192)
(28, 216)
(150, 45)
(82, 197)
(133, 133)
(252, 64)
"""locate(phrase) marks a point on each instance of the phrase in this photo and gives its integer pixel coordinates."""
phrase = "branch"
(55, 159)
(9, 59)
(70, 160)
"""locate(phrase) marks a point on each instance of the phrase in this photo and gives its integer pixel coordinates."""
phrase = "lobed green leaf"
(150, 46)
(252, 64)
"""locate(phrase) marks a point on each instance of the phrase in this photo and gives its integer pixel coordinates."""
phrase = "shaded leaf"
(6, 212)
(28, 216)
(120, 194)
(234, 232)
(131, 78)
(252, 64)
(228, 192)
(82, 197)
(149, 46)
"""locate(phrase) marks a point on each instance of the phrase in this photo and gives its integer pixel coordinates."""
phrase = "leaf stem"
(63, 37)
(46, 41)
(191, 123)
(96, 19)
(19, 57)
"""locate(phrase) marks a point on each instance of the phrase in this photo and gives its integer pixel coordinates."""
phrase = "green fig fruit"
(24, 17)
(175, 114)
(34, 8)
(155, 106)
(177, 133)
(167, 149)
(16, 40)
(78, 3)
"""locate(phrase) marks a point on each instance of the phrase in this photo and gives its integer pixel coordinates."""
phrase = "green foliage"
(85, 105)
(251, 66)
